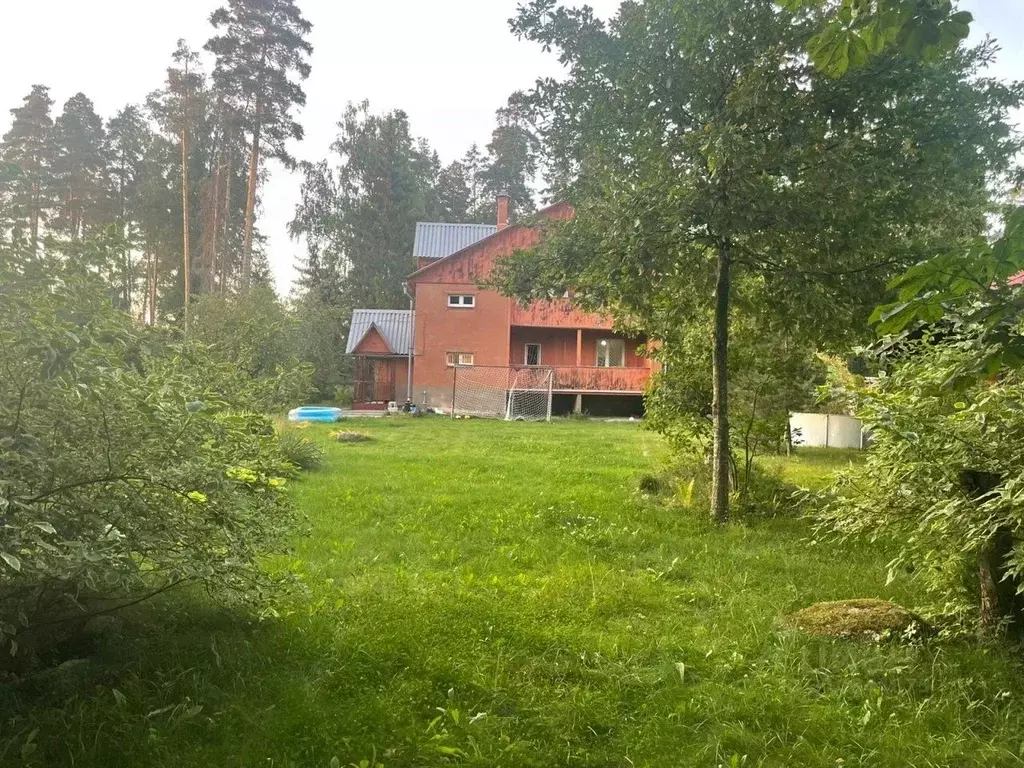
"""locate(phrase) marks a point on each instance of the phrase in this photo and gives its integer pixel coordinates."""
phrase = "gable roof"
(436, 241)
(559, 211)
(394, 326)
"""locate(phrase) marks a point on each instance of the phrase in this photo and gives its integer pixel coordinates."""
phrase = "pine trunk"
(186, 221)
(250, 207)
(720, 402)
(35, 216)
(225, 263)
(214, 230)
(153, 277)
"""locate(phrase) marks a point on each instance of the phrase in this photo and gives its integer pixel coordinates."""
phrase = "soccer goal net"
(513, 394)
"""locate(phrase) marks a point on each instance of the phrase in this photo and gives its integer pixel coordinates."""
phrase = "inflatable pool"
(324, 415)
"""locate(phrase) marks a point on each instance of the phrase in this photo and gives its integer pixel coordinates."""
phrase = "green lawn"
(492, 594)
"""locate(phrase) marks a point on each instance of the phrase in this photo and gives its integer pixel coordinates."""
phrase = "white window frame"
(460, 359)
(461, 301)
(526, 354)
(608, 345)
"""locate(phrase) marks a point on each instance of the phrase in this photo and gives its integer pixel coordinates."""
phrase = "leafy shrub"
(945, 477)
(124, 469)
(300, 451)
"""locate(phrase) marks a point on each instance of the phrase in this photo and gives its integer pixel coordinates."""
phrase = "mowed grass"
(492, 594)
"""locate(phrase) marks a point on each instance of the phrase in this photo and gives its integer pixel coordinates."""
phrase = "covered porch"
(585, 361)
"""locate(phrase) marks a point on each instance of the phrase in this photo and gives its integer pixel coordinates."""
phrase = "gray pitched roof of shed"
(395, 325)
(436, 241)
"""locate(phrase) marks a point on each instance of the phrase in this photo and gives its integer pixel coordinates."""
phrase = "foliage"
(299, 450)
(932, 431)
(706, 183)
(262, 56)
(772, 376)
(973, 288)
(252, 337)
(126, 471)
(499, 589)
(857, 30)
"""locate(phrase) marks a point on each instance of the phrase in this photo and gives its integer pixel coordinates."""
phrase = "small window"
(461, 301)
(460, 358)
(532, 354)
(611, 353)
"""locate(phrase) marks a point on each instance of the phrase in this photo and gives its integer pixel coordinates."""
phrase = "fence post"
(551, 390)
(455, 385)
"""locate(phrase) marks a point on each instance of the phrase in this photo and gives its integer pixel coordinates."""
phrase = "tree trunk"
(225, 262)
(1000, 603)
(186, 219)
(35, 216)
(720, 401)
(214, 230)
(250, 205)
(154, 258)
(999, 599)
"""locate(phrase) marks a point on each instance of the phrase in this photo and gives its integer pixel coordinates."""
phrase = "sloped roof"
(395, 325)
(436, 241)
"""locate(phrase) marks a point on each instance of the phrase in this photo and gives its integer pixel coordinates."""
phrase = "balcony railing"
(558, 313)
(582, 379)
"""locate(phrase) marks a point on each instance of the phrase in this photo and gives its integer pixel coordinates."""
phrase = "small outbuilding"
(380, 340)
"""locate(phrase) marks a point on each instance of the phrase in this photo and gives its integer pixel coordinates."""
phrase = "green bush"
(300, 451)
(944, 480)
(130, 463)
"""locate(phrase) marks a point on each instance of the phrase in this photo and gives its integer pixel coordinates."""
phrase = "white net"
(514, 394)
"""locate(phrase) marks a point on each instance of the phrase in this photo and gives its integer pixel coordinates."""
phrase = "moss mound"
(868, 619)
(350, 437)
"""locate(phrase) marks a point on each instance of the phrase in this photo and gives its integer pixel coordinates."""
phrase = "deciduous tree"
(714, 163)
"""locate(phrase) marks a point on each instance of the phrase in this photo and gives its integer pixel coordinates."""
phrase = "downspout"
(412, 342)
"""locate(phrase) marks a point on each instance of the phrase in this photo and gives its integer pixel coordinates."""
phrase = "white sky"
(448, 63)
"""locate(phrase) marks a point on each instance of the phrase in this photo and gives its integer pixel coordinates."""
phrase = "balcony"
(558, 313)
(579, 379)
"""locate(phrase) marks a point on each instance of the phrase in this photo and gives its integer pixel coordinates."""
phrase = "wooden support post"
(579, 347)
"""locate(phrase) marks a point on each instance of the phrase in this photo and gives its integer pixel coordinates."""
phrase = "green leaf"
(11, 560)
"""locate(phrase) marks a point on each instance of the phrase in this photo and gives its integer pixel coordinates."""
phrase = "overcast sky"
(448, 63)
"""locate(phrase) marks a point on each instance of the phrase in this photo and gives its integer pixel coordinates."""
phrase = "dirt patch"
(857, 619)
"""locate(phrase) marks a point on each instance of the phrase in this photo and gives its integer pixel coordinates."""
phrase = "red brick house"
(454, 322)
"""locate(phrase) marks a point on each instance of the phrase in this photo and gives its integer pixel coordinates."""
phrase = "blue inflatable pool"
(315, 414)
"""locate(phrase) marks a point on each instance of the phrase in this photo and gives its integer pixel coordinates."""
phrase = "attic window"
(461, 301)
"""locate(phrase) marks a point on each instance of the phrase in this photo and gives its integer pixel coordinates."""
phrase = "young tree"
(80, 168)
(28, 145)
(715, 164)
(262, 52)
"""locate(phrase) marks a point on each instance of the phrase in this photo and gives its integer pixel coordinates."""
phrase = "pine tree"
(474, 163)
(28, 146)
(80, 169)
(511, 166)
(128, 140)
(262, 53)
(185, 82)
(454, 196)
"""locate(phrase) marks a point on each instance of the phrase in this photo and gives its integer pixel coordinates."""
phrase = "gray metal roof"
(395, 325)
(435, 241)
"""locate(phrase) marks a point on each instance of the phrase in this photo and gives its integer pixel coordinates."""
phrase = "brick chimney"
(504, 211)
